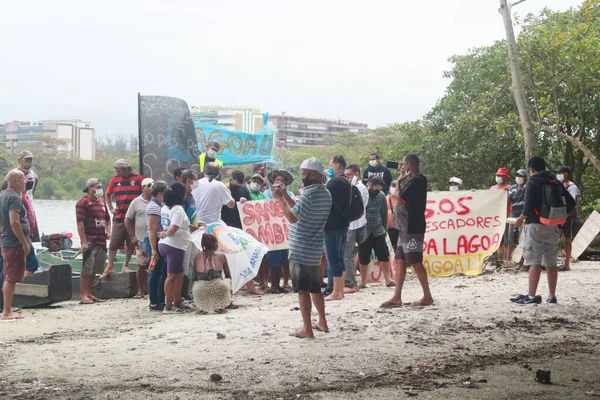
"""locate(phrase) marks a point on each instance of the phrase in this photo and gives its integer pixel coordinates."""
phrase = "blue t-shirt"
(269, 195)
(306, 235)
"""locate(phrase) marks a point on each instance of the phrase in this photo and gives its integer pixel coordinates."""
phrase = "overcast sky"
(369, 61)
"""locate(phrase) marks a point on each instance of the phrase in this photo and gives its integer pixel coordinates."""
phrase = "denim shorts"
(277, 258)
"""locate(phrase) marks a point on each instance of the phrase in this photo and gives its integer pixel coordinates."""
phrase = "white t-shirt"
(210, 197)
(362, 221)
(175, 216)
(137, 213)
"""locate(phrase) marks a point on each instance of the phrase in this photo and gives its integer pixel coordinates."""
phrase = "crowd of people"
(339, 219)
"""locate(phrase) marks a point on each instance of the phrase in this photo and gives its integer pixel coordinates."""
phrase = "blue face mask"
(330, 172)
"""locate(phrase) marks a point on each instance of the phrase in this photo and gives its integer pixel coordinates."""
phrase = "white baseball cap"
(456, 180)
(148, 182)
(314, 165)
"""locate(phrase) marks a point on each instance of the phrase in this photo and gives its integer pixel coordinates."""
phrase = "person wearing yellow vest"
(210, 155)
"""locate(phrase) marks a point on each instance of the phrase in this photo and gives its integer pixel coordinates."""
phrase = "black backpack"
(355, 208)
(554, 210)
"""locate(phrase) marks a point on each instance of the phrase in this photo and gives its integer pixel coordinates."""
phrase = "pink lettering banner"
(265, 222)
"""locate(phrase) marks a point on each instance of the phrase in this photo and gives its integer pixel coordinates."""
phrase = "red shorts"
(14, 264)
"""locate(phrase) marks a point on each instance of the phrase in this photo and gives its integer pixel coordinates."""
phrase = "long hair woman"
(157, 270)
(174, 241)
(211, 291)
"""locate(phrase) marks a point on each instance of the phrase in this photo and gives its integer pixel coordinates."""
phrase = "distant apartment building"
(77, 136)
(294, 132)
(235, 118)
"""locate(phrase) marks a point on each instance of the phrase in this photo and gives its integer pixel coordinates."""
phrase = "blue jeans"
(335, 246)
(156, 277)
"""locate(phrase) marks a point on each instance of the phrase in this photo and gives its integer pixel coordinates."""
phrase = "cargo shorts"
(540, 245)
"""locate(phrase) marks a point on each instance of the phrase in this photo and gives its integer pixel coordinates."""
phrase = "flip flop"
(138, 296)
(389, 304)
(97, 300)
(416, 304)
(86, 302)
(391, 284)
(316, 328)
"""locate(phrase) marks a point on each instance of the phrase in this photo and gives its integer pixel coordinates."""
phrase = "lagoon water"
(55, 216)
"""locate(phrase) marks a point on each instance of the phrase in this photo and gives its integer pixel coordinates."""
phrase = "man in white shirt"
(210, 196)
(352, 172)
(563, 175)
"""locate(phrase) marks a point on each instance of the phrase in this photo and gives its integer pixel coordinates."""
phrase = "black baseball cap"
(563, 169)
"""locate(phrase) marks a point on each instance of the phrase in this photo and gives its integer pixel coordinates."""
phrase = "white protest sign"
(586, 234)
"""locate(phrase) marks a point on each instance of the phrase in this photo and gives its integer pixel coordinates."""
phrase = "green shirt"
(257, 195)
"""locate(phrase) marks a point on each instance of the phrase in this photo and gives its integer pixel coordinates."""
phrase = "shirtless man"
(410, 222)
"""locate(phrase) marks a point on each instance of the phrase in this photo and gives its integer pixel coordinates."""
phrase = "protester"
(32, 263)
(516, 196)
(210, 156)
(93, 227)
(540, 242)
(392, 203)
(307, 216)
(502, 183)
(125, 186)
(25, 161)
(189, 179)
(375, 168)
(211, 291)
(375, 232)
(157, 269)
(137, 228)
(16, 240)
(563, 175)
(238, 190)
(177, 174)
(456, 184)
(277, 260)
(256, 186)
(410, 222)
(354, 236)
(336, 229)
(175, 239)
(210, 195)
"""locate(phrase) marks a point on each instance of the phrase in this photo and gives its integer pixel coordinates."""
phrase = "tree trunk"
(576, 143)
(517, 82)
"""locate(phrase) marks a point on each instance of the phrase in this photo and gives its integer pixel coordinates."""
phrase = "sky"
(377, 62)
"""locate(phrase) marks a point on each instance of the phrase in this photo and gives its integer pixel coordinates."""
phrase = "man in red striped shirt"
(125, 186)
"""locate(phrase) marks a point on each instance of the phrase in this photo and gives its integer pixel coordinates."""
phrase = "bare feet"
(303, 334)
(139, 296)
(423, 302)
(334, 297)
(11, 316)
(97, 300)
(85, 300)
(106, 273)
(253, 290)
(321, 327)
(125, 270)
(392, 304)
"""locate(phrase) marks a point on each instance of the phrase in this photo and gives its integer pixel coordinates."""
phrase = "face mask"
(99, 193)
(29, 185)
(499, 180)
(393, 191)
(211, 153)
(454, 188)
(560, 177)
(254, 187)
(307, 182)
(195, 185)
(301, 191)
(373, 163)
(330, 172)
(373, 192)
(354, 180)
(520, 180)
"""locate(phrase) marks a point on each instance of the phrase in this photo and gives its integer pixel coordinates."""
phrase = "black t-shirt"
(231, 216)
(414, 192)
(340, 192)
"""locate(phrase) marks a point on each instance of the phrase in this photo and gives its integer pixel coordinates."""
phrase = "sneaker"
(156, 307)
(552, 300)
(172, 310)
(529, 300)
(327, 291)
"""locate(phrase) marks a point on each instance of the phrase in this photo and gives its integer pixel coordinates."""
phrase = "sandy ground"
(119, 349)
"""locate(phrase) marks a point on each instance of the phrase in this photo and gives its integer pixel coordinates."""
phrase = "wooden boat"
(44, 288)
(74, 257)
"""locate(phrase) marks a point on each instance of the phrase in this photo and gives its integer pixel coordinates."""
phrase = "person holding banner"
(210, 195)
(563, 173)
(210, 156)
(410, 222)
(307, 216)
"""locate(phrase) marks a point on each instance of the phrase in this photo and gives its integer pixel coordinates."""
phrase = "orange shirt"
(392, 202)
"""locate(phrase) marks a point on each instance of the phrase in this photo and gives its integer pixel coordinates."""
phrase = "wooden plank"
(26, 289)
(586, 234)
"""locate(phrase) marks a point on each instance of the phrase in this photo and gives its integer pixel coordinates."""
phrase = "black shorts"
(505, 237)
(305, 278)
(381, 250)
(393, 234)
(410, 248)
(568, 228)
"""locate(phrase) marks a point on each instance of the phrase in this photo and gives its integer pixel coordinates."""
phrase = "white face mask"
(520, 180)
(195, 185)
(454, 188)
(301, 191)
(560, 177)
(393, 191)
(254, 187)
(99, 193)
(373, 163)
(354, 180)
(211, 153)
(499, 180)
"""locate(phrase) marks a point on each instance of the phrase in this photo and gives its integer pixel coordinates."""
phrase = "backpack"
(554, 204)
(355, 208)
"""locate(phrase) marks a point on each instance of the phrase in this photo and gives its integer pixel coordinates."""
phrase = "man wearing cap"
(125, 186)
(307, 216)
(516, 197)
(25, 163)
(563, 175)
(31, 181)
(456, 184)
(255, 187)
(93, 227)
(210, 155)
(137, 228)
(502, 183)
